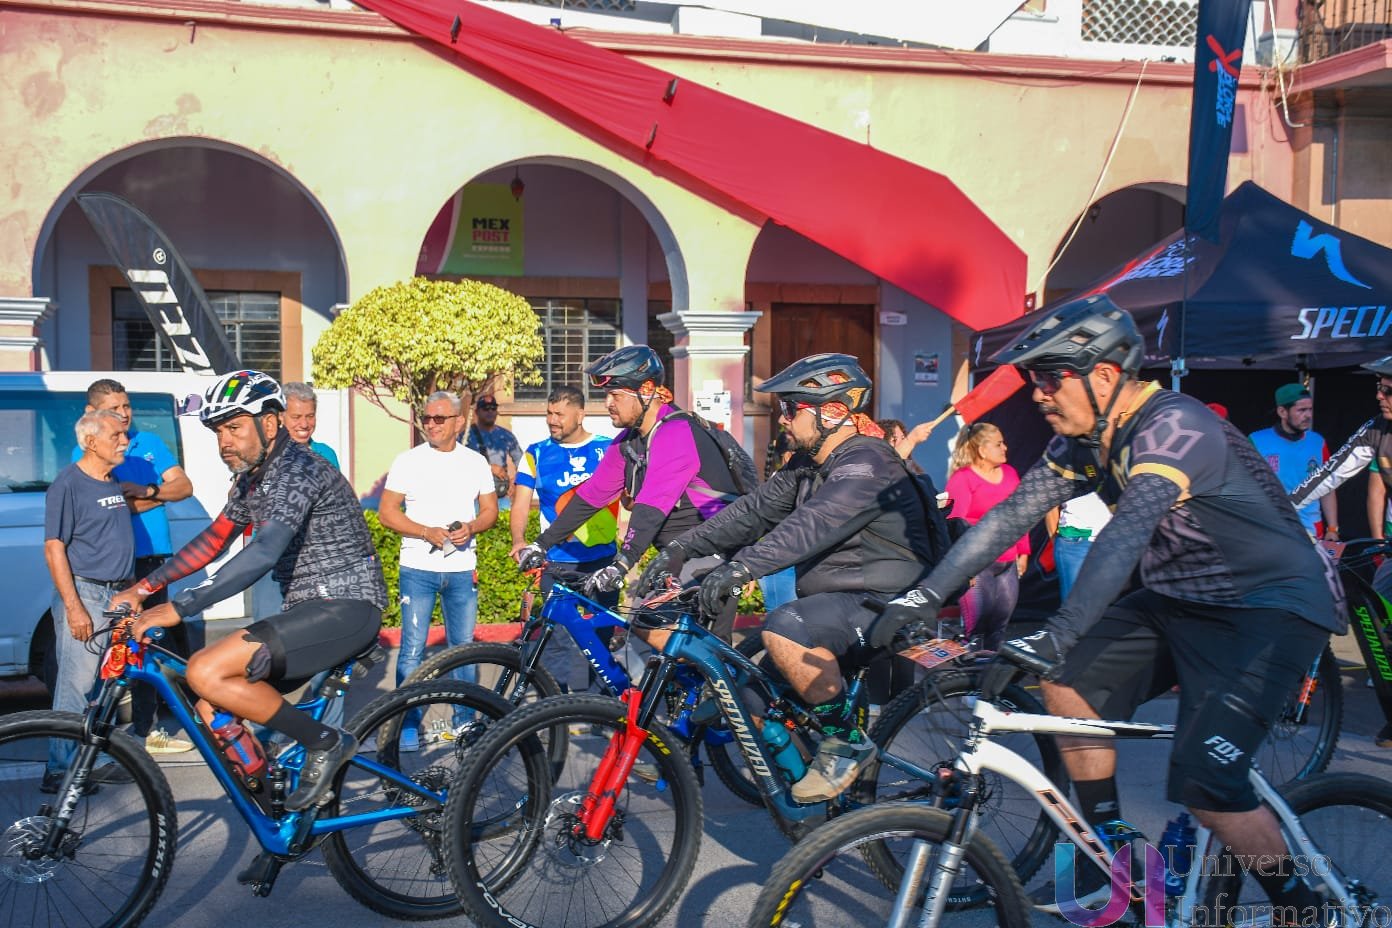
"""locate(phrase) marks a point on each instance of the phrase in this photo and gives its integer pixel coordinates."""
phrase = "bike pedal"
(261, 873)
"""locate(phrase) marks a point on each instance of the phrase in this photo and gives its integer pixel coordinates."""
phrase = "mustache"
(1047, 409)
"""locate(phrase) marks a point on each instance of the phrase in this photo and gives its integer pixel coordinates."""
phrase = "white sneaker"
(160, 741)
(834, 769)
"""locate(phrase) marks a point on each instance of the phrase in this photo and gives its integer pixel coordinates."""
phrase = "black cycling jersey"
(856, 523)
(1372, 442)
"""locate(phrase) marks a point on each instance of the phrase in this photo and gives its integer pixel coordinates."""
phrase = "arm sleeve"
(746, 519)
(1357, 453)
(250, 565)
(1114, 555)
(673, 462)
(206, 547)
(603, 487)
(1043, 487)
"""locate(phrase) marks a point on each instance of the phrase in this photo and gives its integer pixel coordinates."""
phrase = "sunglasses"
(790, 408)
(436, 420)
(487, 406)
(1383, 389)
(1049, 382)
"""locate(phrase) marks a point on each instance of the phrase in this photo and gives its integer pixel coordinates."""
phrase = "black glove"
(668, 563)
(531, 557)
(1039, 654)
(914, 606)
(720, 584)
(605, 580)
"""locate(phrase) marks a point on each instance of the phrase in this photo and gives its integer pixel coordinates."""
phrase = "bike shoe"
(834, 769)
(317, 775)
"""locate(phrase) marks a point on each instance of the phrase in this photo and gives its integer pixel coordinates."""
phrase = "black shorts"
(835, 621)
(312, 636)
(1236, 669)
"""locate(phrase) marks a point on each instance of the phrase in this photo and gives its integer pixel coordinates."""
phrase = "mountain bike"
(94, 844)
(515, 672)
(1337, 826)
(600, 846)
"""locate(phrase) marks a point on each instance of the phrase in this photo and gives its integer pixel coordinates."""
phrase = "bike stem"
(597, 809)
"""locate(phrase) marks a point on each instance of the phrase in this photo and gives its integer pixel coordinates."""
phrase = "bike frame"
(1371, 618)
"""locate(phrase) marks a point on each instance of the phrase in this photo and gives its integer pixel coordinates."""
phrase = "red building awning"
(904, 223)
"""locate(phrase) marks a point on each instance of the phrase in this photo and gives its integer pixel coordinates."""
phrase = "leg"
(418, 591)
(998, 590)
(813, 672)
(77, 668)
(459, 602)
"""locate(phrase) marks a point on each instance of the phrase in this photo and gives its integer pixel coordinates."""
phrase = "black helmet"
(820, 379)
(630, 367)
(241, 393)
(1381, 367)
(1076, 337)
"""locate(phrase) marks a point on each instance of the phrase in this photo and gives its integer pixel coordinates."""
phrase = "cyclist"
(692, 484)
(1233, 623)
(845, 512)
(309, 529)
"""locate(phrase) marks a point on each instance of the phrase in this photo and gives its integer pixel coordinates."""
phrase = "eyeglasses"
(790, 408)
(1049, 382)
(436, 420)
(1383, 389)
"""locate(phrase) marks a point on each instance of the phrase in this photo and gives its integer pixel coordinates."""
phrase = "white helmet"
(242, 393)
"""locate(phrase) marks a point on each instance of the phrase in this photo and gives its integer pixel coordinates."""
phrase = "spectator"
(301, 418)
(551, 469)
(906, 440)
(779, 587)
(89, 545)
(496, 444)
(448, 497)
(1073, 526)
(1295, 452)
(150, 476)
(979, 478)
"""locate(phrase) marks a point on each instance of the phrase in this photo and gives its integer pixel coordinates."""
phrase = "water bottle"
(1177, 846)
(785, 753)
(246, 754)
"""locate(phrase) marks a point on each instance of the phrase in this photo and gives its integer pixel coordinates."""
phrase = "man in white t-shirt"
(438, 496)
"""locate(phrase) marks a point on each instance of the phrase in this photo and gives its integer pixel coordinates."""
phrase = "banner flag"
(175, 303)
(1222, 29)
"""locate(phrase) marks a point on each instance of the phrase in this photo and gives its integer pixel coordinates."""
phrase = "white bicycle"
(1339, 827)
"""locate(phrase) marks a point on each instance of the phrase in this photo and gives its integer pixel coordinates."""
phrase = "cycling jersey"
(676, 478)
(308, 526)
(1372, 443)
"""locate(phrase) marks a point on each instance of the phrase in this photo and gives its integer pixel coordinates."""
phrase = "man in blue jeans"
(438, 495)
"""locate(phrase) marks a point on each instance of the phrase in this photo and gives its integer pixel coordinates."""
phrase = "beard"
(238, 464)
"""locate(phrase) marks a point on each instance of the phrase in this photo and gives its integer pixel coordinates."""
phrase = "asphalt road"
(738, 850)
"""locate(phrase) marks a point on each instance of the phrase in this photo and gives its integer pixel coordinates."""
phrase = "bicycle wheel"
(511, 856)
(114, 858)
(925, 726)
(498, 667)
(397, 867)
(1303, 737)
(1348, 817)
(825, 880)
(726, 759)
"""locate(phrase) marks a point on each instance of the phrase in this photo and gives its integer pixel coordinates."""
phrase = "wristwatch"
(154, 490)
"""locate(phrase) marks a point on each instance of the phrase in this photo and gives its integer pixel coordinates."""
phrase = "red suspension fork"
(597, 808)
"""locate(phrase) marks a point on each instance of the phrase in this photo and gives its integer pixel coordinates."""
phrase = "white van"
(37, 415)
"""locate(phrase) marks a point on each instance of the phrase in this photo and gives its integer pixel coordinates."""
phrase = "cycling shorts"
(309, 637)
(1236, 669)
(834, 620)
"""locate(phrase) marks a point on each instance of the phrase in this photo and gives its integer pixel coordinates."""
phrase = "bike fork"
(597, 808)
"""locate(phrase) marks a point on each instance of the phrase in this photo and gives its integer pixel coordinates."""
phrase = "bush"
(501, 584)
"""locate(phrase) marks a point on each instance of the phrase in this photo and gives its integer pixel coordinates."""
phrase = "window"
(574, 332)
(251, 322)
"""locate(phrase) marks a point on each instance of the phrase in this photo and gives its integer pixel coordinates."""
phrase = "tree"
(407, 340)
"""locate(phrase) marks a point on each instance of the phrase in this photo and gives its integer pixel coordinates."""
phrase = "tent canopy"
(1280, 289)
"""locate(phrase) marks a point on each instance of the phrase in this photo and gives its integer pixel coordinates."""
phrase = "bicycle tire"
(1340, 812)
(1295, 750)
(726, 759)
(518, 691)
(824, 880)
(131, 828)
(397, 888)
(521, 870)
(1011, 817)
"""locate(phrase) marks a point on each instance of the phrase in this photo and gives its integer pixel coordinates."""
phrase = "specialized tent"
(1280, 289)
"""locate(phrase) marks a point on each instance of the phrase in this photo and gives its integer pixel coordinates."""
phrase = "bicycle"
(560, 840)
(952, 867)
(515, 672)
(97, 847)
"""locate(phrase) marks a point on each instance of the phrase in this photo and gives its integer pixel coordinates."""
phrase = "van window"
(37, 440)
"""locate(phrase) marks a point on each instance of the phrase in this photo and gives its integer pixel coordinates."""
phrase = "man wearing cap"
(1295, 452)
(496, 444)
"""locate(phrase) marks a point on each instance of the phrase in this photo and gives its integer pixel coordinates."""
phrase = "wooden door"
(803, 329)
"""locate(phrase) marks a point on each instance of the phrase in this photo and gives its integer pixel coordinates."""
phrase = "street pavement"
(739, 848)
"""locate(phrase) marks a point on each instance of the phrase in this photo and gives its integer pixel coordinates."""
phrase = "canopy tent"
(1280, 289)
(904, 223)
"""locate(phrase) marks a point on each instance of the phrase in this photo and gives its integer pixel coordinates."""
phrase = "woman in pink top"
(978, 479)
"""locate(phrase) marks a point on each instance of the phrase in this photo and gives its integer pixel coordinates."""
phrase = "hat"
(1290, 393)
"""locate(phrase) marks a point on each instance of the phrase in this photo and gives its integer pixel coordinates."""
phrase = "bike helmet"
(243, 393)
(1382, 366)
(823, 378)
(628, 367)
(1077, 336)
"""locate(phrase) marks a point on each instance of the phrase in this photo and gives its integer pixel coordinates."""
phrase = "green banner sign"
(486, 239)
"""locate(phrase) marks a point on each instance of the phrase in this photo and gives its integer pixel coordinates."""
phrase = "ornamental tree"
(409, 339)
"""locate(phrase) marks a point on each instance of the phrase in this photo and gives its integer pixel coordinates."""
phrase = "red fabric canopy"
(906, 224)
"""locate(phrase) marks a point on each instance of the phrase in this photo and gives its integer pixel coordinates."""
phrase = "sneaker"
(1384, 737)
(317, 775)
(53, 780)
(834, 769)
(409, 742)
(160, 741)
